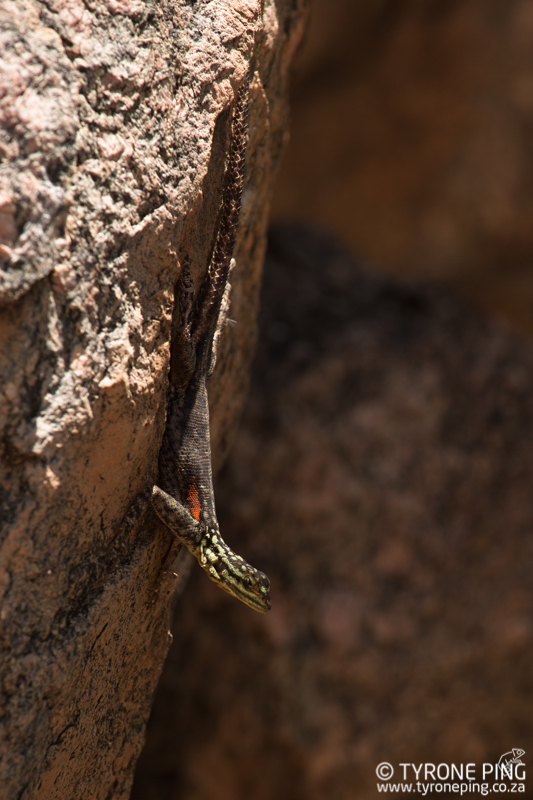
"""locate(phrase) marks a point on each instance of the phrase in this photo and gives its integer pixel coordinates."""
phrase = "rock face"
(382, 478)
(115, 120)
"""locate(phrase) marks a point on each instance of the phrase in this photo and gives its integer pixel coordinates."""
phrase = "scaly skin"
(184, 499)
(224, 567)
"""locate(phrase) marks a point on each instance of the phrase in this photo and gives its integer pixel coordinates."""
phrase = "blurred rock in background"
(411, 138)
(382, 474)
(382, 478)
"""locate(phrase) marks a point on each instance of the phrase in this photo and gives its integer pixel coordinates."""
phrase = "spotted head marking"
(232, 573)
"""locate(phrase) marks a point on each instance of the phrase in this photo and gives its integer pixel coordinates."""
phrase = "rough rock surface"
(382, 478)
(114, 117)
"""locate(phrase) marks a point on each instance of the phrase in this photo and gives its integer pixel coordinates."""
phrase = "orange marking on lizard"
(193, 500)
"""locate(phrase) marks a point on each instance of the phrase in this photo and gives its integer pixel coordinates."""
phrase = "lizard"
(184, 498)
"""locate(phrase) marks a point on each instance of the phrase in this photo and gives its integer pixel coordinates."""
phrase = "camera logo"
(510, 760)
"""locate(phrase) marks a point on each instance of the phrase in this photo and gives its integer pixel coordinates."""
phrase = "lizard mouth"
(252, 588)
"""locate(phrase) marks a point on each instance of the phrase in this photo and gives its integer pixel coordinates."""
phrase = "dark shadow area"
(382, 478)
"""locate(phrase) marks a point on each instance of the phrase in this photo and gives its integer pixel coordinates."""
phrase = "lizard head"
(254, 590)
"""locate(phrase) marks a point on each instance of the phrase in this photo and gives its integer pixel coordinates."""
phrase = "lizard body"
(184, 499)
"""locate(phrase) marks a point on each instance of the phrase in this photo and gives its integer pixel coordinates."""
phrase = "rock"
(382, 478)
(410, 139)
(115, 120)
